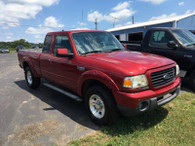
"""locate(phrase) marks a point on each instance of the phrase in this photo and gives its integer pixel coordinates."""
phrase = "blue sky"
(32, 19)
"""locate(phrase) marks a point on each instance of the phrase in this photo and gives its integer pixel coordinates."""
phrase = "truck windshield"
(185, 37)
(95, 42)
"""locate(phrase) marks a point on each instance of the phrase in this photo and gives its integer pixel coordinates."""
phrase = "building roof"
(152, 22)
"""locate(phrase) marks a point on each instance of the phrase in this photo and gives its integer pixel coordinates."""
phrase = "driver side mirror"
(63, 52)
(172, 44)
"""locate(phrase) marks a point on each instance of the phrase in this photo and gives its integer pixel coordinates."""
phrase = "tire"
(192, 80)
(101, 106)
(31, 80)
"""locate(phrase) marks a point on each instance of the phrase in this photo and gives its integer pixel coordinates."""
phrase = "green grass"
(172, 124)
(12, 50)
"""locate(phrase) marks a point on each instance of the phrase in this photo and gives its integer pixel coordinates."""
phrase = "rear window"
(47, 44)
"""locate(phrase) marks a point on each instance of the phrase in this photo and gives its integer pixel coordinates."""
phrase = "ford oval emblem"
(166, 77)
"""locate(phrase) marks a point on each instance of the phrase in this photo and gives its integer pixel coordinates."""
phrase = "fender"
(27, 59)
(96, 75)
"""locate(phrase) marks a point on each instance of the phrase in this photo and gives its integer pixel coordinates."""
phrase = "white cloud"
(9, 37)
(38, 37)
(9, 34)
(79, 28)
(181, 3)
(95, 15)
(81, 23)
(127, 23)
(12, 11)
(188, 12)
(38, 30)
(121, 6)
(154, 1)
(119, 13)
(52, 22)
(36, 2)
(163, 16)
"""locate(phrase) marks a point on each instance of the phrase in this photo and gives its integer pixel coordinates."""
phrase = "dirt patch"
(29, 134)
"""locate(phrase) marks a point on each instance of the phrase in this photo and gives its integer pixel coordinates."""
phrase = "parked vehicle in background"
(174, 43)
(21, 47)
(94, 66)
(4, 50)
(35, 47)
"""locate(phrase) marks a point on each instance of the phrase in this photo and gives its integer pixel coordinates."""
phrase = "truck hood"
(131, 61)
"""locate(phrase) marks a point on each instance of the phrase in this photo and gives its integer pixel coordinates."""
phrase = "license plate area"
(161, 98)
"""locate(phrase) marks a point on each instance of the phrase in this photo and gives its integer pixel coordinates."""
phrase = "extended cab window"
(62, 41)
(159, 39)
(47, 43)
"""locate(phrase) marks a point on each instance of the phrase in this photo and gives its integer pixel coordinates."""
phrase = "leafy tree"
(16, 43)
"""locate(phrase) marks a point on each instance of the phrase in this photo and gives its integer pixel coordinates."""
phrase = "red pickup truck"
(94, 66)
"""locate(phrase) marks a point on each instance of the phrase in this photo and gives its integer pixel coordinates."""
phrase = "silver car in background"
(4, 50)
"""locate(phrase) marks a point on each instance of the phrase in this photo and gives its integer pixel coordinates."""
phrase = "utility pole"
(96, 24)
(132, 19)
(114, 22)
(82, 19)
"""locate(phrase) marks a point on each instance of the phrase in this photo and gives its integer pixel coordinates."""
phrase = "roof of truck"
(163, 28)
(74, 31)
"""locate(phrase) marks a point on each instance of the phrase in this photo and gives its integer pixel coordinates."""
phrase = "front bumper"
(152, 104)
(129, 103)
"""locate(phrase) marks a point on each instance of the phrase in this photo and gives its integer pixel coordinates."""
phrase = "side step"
(73, 96)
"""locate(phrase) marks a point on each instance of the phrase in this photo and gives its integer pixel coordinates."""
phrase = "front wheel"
(32, 81)
(101, 106)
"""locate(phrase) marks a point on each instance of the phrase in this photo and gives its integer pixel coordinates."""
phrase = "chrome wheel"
(96, 105)
(29, 77)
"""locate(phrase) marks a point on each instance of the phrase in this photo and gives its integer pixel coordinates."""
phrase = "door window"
(47, 43)
(62, 41)
(159, 39)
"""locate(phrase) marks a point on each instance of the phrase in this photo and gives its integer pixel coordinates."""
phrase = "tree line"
(16, 43)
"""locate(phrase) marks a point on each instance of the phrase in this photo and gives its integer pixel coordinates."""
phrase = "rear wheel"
(32, 81)
(101, 106)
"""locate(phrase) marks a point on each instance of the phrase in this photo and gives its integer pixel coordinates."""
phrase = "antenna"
(96, 24)
(82, 19)
(132, 19)
(114, 22)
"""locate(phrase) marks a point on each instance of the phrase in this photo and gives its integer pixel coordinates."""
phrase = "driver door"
(64, 68)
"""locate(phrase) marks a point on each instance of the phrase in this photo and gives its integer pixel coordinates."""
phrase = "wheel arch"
(91, 78)
(27, 63)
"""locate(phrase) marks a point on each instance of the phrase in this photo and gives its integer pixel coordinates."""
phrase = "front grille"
(163, 77)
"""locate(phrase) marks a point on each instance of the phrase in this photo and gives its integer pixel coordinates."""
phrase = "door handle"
(187, 56)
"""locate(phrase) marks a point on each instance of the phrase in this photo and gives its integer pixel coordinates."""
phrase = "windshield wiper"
(191, 44)
(94, 51)
(117, 49)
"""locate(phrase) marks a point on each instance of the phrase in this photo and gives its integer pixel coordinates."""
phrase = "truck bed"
(132, 46)
(33, 55)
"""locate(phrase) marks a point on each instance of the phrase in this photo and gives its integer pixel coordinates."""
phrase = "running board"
(73, 96)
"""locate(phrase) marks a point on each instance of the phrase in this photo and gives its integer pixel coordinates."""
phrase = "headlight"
(135, 82)
(177, 70)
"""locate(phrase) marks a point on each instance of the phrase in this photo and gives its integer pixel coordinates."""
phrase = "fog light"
(143, 105)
